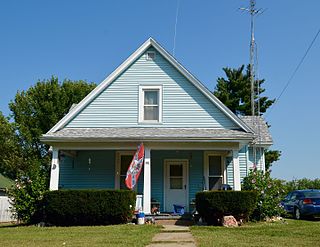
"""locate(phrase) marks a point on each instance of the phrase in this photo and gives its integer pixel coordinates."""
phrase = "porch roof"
(145, 134)
(261, 129)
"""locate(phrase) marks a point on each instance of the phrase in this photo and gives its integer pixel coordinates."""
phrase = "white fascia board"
(105, 83)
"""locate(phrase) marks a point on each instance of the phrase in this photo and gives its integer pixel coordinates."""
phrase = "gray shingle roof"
(105, 134)
(258, 124)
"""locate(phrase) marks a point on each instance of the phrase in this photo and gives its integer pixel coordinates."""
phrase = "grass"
(290, 233)
(119, 235)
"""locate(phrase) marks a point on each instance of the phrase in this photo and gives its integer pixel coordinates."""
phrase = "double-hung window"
(214, 172)
(150, 101)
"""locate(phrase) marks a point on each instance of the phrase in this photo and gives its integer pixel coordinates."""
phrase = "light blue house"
(192, 141)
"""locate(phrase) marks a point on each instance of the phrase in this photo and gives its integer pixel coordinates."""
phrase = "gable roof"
(130, 60)
(261, 129)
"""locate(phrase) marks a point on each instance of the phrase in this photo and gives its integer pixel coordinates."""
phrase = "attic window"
(150, 55)
(150, 104)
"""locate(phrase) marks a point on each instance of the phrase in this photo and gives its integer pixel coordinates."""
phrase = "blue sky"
(89, 39)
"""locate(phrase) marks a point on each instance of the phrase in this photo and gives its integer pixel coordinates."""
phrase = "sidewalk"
(173, 236)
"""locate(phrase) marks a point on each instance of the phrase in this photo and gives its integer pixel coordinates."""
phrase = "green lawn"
(119, 235)
(290, 233)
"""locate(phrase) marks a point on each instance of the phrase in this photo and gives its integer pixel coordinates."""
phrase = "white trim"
(263, 160)
(236, 170)
(147, 181)
(118, 167)
(143, 88)
(105, 83)
(54, 175)
(165, 173)
(224, 165)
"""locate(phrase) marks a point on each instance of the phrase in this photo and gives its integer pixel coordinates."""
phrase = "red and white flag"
(135, 167)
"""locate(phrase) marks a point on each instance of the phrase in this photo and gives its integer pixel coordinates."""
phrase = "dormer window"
(150, 104)
(150, 55)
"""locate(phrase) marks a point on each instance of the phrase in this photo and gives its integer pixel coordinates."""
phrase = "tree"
(235, 93)
(11, 161)
(37, 110)
(271, 156)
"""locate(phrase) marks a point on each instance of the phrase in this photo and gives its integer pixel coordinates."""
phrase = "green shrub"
(213, 205)
(26, 195)
(270, 193)
(88, 207)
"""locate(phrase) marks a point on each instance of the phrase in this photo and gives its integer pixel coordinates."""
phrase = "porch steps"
(168, 219)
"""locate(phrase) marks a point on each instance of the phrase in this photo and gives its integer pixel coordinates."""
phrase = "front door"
(176, 184)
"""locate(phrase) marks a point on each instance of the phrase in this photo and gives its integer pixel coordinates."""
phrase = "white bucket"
(140, 218)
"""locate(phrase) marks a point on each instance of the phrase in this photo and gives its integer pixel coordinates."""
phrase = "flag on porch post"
(135, 167)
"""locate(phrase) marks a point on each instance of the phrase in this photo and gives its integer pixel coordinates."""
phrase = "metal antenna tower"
(253, 12)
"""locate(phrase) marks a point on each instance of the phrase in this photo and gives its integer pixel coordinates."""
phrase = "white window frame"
(149, 58)
(142, 89)
(206, 175)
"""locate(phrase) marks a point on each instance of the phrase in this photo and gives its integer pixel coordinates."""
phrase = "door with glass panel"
(123, 161)
(176, 184)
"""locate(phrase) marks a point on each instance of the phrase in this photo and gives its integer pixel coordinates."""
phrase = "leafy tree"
(11, 160)
(271, 156)
(36, 110)
(235, 92)
(23, 156)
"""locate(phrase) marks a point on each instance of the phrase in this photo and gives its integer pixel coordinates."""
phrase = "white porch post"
(147, 181)
(54, 177)
(236, 170)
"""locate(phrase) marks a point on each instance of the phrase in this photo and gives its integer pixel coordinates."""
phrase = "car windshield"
(312, 194)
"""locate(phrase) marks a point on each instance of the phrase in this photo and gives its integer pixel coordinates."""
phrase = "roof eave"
(50, 140)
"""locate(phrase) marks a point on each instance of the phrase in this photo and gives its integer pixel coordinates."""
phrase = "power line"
(295, 71)
(175, 27)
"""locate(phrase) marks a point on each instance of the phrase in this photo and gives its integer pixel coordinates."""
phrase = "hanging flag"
(135, 167)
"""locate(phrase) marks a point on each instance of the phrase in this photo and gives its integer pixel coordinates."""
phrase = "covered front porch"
(173, 172)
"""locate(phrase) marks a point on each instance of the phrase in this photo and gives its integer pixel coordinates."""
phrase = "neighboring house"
(192, 141)
(5, 213)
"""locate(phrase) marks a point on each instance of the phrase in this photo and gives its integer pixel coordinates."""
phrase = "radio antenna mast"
(253, 12)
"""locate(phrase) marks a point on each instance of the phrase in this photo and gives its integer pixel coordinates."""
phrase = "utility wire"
(175, 27)
(295, 71)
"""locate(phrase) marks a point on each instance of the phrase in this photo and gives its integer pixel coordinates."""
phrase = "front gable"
(183, 105)
(185, 102)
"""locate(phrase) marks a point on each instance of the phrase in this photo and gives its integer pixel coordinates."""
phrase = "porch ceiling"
(145, 134)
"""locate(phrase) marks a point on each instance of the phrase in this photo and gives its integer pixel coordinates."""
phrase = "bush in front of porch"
(213, 205)
(87, 207)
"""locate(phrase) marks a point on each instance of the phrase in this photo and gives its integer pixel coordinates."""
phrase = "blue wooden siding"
(157, 172)
(183, 104)
(75, 172)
